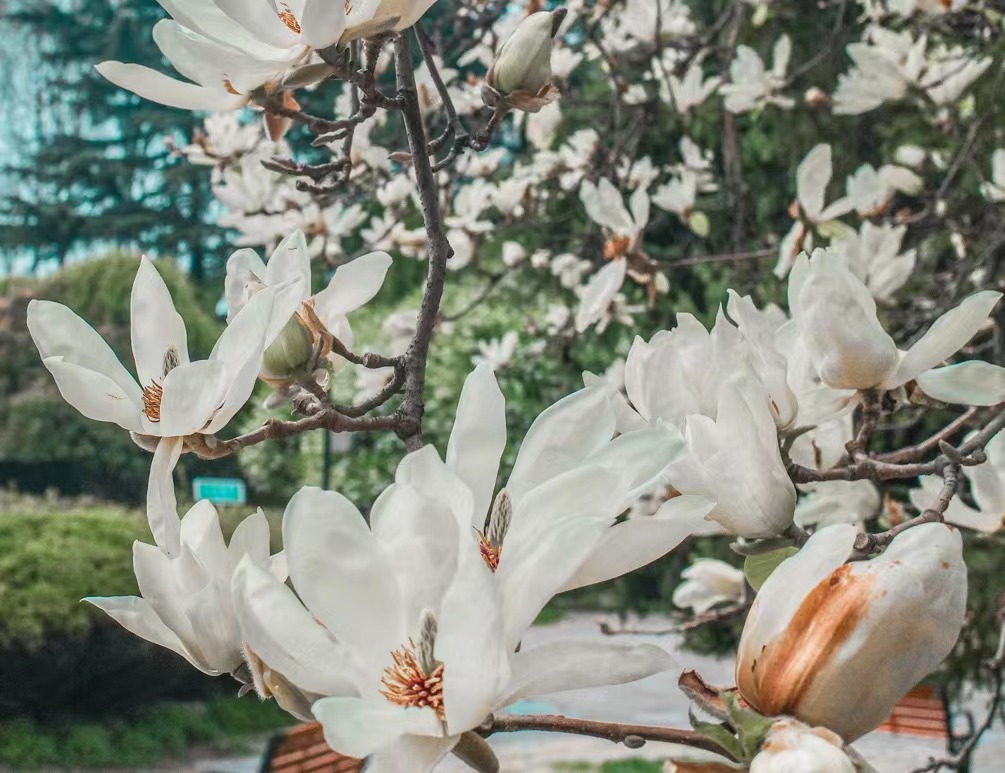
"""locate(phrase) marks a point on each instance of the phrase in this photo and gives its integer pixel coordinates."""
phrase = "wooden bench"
(302, 749)
(921, 712)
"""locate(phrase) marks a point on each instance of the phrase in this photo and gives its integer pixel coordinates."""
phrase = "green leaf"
(758, 568)
(751, 727)
(720, 734)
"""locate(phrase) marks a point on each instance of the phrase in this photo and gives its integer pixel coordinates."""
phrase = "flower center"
(152, 396)
(286, 17)
(490, 553)
(617, 247)
(406, 682)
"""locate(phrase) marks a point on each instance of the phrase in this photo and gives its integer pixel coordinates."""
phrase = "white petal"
(341, 575)
(638, 458)
(353, 285)
(192, 395)
(290, 262)
(633, 543)
(165, 90)
(157, 329)
(139, 618)
(358, 728)
(967, 383)
(214, 627)
(251, 538)
(599, 293)
(155, 576)
(470, 645)
(812, 176)
(162, 506)
(478, 437)
(554, 529)
(202, 536)
(565, 435)
(96, 396)
(281, 632)
(424, 470)
(58, 332)
(323, 23)
(243, 267)
(410, 754)
(260, 18)
(945, 337)
(572, 665)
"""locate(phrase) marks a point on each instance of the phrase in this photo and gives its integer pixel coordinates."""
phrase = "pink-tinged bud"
(837, 645)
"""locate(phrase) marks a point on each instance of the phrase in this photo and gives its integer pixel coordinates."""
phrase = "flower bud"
(521, 73)
(791, 745)
(289, 353)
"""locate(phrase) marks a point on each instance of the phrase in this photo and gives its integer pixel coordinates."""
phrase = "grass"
(227, 725)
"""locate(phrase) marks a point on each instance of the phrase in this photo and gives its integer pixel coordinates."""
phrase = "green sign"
(220, 491)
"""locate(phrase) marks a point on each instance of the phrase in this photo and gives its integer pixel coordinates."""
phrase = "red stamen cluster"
(407, 684)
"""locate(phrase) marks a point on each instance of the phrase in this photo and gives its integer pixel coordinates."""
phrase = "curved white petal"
(424, 470)
(572, 665)
(139, 618)
(192, 394)
(638, 458)
(203, 538)
(165, 90)
(945, 337)
(156, 328)
(632, 544)
(478, 437)
(599, 293)
(286, 637)
(358, 728)
(95, 395)
(410, 754)
(290, 262)
(260, 18)
(353, 284)
(340, 573)
(967, 383)
(58, 332)
(323, 23)
(162, 506)
(564, 436)
(244, 269)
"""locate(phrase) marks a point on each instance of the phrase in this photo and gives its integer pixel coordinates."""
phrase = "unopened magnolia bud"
(816, 97)
(522, 67)
(289, 353)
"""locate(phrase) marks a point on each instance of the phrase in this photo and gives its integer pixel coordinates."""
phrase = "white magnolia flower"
(185, 603)
(995, 189)
(678, 195)
(568, 484)
(950, 72)
(171, 396)
(837, 501)
(848, 622)
(649, 21)
(792, 746)
(708, 582)
(693, 89)
(498, 352)
(987, 488)
(874, 255)
(810, 210)
(352, 285)
(756, 499)
(751, 85)
(871, 190)
(835, 316)
(624, 228)
(230, 48)
(885, 66)
(417, 606)
(823, 446)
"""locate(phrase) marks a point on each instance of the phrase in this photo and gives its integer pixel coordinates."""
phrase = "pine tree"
(92, 169)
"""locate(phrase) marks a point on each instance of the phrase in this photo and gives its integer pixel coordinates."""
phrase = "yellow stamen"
(152, 396)
(407, 684)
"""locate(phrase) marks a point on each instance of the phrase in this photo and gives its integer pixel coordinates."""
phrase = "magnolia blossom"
(809, 211)
(649, 21)
(837, 644)
(231, 48)
(835, 315)
(693, 88)
(885, 65)
(498, 352)
(417, 605)
(871, 190)
(352, 285)
(172, 397)
(987, 488)
(624, 228)
(874, 255)
(792, 746)
(837, 501)
(751, 85)
(708, 582)
(185, 603)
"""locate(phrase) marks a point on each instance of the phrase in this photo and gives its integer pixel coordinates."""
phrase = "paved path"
(656, 700)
